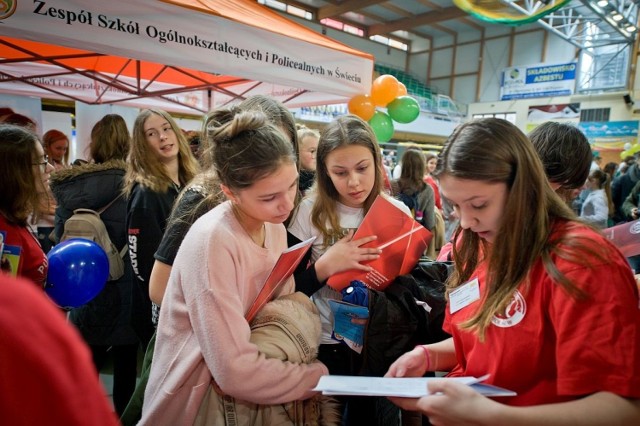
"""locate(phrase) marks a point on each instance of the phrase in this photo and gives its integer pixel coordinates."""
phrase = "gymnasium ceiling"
(584, 23)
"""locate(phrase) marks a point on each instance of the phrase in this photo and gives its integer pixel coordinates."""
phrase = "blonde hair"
(304, 131)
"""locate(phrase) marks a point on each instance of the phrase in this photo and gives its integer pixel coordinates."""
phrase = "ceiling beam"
(432, 17)
(344, 7)
(377, 19)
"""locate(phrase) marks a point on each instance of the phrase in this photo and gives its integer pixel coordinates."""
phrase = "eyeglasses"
(43, 164)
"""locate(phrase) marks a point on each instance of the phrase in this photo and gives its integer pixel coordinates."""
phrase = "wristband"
(426, 354)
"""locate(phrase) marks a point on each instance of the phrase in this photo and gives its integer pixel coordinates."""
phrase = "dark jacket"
(632, 201)
(305, 181)
(397, 323)
(105, 320)
(147, 214)
(621, 188)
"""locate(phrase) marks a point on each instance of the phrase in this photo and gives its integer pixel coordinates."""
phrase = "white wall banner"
(535, 81)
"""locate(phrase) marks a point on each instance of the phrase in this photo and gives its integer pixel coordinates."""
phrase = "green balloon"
(382, 126)
(404, 109)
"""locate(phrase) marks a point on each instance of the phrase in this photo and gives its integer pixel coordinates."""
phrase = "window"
(300, 13)
(278, 5)
(389, 42)
(284, 7)
(595, 114)
(604, 67)
(509, 116)
(332, 23)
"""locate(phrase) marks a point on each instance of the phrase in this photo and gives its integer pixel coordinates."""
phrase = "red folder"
(284, 267)
(402, 240)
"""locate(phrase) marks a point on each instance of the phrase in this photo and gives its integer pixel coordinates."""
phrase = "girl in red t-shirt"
(24, 173)
(540, 301)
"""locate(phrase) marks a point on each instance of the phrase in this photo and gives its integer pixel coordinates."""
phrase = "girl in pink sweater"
(203, 338)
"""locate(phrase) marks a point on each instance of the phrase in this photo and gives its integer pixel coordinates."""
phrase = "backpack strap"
(102, 210)
(124, 249)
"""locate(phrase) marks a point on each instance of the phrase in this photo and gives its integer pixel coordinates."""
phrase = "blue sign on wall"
(536, 81)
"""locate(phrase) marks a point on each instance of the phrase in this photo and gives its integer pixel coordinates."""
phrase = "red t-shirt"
(550, 347)
(47, 376)
(21, 254)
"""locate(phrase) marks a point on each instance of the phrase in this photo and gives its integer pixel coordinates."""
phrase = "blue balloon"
(78, 271)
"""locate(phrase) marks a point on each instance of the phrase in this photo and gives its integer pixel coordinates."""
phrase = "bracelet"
(426, 354)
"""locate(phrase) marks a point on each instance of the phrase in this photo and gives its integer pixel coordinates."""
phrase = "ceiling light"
(617, 17)
(631, 28)
(602, 3)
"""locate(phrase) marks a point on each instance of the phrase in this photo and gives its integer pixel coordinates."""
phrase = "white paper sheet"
(407, 387)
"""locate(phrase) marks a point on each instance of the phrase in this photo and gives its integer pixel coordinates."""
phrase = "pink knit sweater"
(202, 333)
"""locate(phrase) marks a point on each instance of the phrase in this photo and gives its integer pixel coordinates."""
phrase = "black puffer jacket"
(105, 320)
(397, 323)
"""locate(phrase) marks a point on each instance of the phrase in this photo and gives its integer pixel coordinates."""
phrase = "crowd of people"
(534, 295)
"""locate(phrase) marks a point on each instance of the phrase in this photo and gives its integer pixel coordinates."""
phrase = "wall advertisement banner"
(610, 136)
(535, 81)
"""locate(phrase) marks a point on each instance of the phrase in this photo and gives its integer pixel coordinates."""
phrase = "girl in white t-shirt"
(598, 206)
(349, 176)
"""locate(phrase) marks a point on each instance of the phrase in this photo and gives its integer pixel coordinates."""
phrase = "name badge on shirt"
(464, 295)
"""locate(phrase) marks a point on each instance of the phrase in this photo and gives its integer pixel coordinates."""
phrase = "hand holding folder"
(402, 240)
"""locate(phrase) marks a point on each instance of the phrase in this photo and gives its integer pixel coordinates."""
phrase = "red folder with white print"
(402, 240)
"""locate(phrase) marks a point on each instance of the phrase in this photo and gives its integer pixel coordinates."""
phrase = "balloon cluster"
(386, 91)
(629, 150)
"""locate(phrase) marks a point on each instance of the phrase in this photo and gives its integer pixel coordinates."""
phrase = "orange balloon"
(384, 89)
(362, 106)
(402, 89)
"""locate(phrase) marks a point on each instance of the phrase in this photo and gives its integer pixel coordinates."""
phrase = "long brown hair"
(496, 151)
(20, 189)
(412, 172)
(145, 168)
(110, 139)
(343, 131)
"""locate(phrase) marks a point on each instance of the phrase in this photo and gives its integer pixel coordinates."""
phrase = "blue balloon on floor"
(78, 271)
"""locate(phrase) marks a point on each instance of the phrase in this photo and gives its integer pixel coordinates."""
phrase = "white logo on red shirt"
(513, 314)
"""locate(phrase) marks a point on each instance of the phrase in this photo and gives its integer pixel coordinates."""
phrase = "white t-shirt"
(302, 228)
(595, 208)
